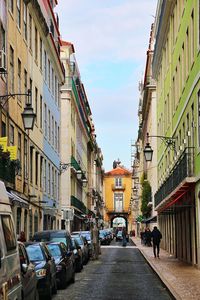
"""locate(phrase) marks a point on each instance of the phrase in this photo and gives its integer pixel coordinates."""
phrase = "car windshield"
(35, 253)
(58, 239)
(87, 236)
(54, 250)
(78, 239)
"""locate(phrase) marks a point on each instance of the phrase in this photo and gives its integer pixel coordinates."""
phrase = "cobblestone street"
(120, 273)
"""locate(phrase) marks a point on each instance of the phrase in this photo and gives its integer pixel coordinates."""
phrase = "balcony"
(76, 203)
(118, 187)
(178, 182)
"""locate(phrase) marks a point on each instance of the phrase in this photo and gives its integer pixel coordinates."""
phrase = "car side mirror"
(24, 268)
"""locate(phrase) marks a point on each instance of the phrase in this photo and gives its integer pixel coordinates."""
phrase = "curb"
(163, 279)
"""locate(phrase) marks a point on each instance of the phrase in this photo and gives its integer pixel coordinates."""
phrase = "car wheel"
(54, 288)
(49, 291)
(73, 278)
(64, 280)
(36, 295)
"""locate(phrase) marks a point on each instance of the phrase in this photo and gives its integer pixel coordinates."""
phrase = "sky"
(110, 38)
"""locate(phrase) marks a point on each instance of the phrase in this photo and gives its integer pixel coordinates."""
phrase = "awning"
(16, 200)
(152, 219)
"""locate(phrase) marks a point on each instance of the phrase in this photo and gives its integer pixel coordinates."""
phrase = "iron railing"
(182, 169)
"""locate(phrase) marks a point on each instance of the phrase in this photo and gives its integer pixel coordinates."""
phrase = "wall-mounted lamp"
(148, 152)
(79, 174)
(28, 115)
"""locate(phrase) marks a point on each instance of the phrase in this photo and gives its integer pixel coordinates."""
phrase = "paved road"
(120, 273)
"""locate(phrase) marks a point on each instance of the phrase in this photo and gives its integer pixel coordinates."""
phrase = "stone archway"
(119, 221)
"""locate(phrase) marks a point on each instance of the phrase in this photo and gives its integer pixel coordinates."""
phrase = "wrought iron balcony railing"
(182, 169)
(118, 187)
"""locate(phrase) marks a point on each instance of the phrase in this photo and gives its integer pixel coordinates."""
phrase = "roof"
(118, 171)
(65, 43)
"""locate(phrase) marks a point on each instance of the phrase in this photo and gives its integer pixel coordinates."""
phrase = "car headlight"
(41, 273)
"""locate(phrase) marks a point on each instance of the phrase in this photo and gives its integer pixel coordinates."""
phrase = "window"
(41, 111)
(49, 125)
(49, 179)
(36, 104)
(45, 176)
(199, 118)
(30, 32)
(11, 135)
(36, 167)
(3, 125)
(118, 182)
(9, 233)
(41, 54)
(45, 65)
(52, 130)
(11, 73)
(192, 36)
(36, 44)
(11, 6)
(19, 65)
(35, 221)
(19, 147)
(19, 13)
(52, 181)
(41, 172)
(55, 82)
(30, 224)
(25, 81)
(2, 39)
(49, 73)
(18, 225)
(56, 139)
(118, 202)
(25, 159)
(45, 119)
(31, 164)
(56, 184)
(25, 21)
(52, 81)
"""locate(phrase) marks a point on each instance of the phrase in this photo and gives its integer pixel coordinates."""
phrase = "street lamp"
(148, 151)
(79, 174)
(28, 115)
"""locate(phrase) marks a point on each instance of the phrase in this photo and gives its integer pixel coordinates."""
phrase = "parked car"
(45, 267)
(103, 237)
(9, 255)
(119, 236)
(82, 243)
(78, 254)
(87, 235)
(65, 268)
(28, 275)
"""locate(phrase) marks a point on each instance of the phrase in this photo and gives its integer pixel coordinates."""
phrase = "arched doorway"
(118, 222)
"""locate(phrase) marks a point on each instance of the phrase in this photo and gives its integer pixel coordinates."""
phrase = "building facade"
(81, 158)
(117, 198)
(33, 63)
(176, 70)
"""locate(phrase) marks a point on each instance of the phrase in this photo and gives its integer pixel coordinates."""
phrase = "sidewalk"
(181, 279)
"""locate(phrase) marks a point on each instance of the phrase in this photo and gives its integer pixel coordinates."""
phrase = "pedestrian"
(142, 236)
(148, 237)
(124, 237)
(22, 237)
(156, 237)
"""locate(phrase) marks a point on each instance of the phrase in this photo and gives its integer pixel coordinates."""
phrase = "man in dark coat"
(156, 237)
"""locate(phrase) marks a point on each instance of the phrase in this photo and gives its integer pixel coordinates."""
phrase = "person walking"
(124, 237)
(148, 237)
(156, 237)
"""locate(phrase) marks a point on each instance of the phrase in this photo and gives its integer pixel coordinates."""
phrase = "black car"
(45, 267)
(87, 235)
(28, 275)
(65, 268)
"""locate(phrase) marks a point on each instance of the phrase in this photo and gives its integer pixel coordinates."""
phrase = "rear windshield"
(54, 250)
(87, 236)
(79, 240)
(35, 253)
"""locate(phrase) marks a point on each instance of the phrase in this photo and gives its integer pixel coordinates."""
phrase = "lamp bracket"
(4, 98)
(168, 141)
(64, 166)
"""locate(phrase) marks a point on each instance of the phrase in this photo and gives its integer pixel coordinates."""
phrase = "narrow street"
(120, 273)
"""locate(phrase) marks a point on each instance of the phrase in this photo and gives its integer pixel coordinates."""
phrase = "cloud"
(111, 38)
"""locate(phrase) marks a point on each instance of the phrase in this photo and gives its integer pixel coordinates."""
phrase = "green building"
(176, 68)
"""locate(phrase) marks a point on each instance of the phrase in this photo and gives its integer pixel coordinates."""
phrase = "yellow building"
(117, 197)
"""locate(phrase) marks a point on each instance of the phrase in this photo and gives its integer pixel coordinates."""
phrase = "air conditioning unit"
(68, 214)
(2, 62)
